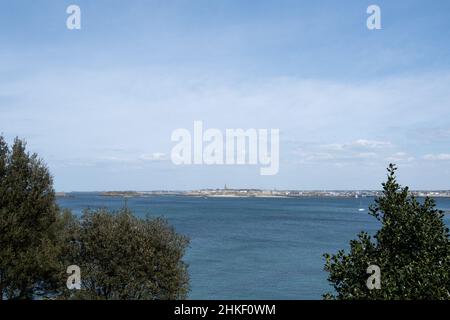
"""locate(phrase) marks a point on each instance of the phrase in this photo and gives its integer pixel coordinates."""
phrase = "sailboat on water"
(360, 209)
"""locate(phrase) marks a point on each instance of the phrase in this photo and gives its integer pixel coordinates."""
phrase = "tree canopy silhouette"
(412, 250)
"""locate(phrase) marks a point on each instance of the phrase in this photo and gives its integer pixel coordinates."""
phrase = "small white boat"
(360, 205)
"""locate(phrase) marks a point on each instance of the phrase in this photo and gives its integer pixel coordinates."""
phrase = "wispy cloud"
(359, 144)
(438, 157)
(358, 150)
(155, 156)
(97, 117)
(400, 157)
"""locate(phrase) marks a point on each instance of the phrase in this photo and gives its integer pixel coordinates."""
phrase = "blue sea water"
(253, 248)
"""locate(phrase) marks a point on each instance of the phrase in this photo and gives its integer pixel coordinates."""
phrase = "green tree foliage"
(120, 256)
(28, 215)
(412, 249)
(123, 257)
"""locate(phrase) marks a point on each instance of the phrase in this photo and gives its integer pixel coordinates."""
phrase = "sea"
(253, 248)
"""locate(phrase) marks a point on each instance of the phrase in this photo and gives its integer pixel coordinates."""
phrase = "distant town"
(246, 193)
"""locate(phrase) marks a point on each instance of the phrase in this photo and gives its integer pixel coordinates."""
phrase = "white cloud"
(357, 150)
(366, 155)
(155, 156)
(400, 157)
(370, 144)
(133, 159)
(437, 157)
(123, 158)
(358, 144)
(319, 121)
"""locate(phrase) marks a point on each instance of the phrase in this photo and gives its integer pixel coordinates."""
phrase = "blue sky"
(99, 104)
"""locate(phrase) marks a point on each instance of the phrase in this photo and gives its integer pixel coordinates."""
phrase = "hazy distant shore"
(258, 193)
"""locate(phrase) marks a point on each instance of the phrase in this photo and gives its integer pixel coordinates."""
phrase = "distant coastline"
(260, 193)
